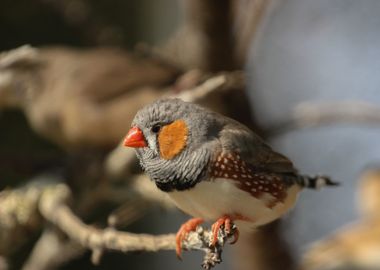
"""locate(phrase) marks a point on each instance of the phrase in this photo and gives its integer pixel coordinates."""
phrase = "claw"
(236, 236)
(226, 223)
(183, 231)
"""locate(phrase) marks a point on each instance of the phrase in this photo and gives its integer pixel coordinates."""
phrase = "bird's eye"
(156, 128)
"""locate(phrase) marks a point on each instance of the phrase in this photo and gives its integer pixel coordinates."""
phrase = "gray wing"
(237, 138)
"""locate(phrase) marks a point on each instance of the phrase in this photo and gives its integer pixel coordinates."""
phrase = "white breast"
(212, 199)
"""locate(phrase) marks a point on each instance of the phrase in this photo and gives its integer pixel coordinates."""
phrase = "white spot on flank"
(222, 166)
(244, 175)
(226, 175)
(248, 183)
(260, 187)
(219, 158)
(234, 176)
(249, 176)
(225, 161)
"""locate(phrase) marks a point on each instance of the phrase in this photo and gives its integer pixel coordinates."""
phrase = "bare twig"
(53, 206)
(316, 114)
(222, 82)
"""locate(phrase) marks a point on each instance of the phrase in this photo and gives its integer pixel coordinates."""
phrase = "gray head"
(173, 140)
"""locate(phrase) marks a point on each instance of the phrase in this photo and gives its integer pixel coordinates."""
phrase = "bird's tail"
(315, 182)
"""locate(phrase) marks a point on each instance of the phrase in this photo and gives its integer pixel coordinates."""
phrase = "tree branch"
(53, 207)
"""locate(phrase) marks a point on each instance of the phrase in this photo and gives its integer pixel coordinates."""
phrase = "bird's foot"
(226, 224)
(181, 235)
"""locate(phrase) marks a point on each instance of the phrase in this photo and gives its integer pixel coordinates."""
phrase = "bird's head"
(172, 132)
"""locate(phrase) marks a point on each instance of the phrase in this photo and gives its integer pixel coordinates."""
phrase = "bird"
(214, 168)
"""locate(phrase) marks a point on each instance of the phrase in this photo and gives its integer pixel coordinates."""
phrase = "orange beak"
(135, 138)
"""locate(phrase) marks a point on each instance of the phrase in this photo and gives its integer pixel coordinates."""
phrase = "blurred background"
(303, 74)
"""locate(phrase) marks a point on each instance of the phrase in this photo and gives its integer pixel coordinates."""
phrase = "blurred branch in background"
(306, 115)
(69, 95)
(356, 246)
(19, 215)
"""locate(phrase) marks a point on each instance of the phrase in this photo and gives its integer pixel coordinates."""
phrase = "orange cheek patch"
(172, 139)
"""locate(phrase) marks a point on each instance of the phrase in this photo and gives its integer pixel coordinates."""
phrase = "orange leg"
(187, 227)
(226, 223)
